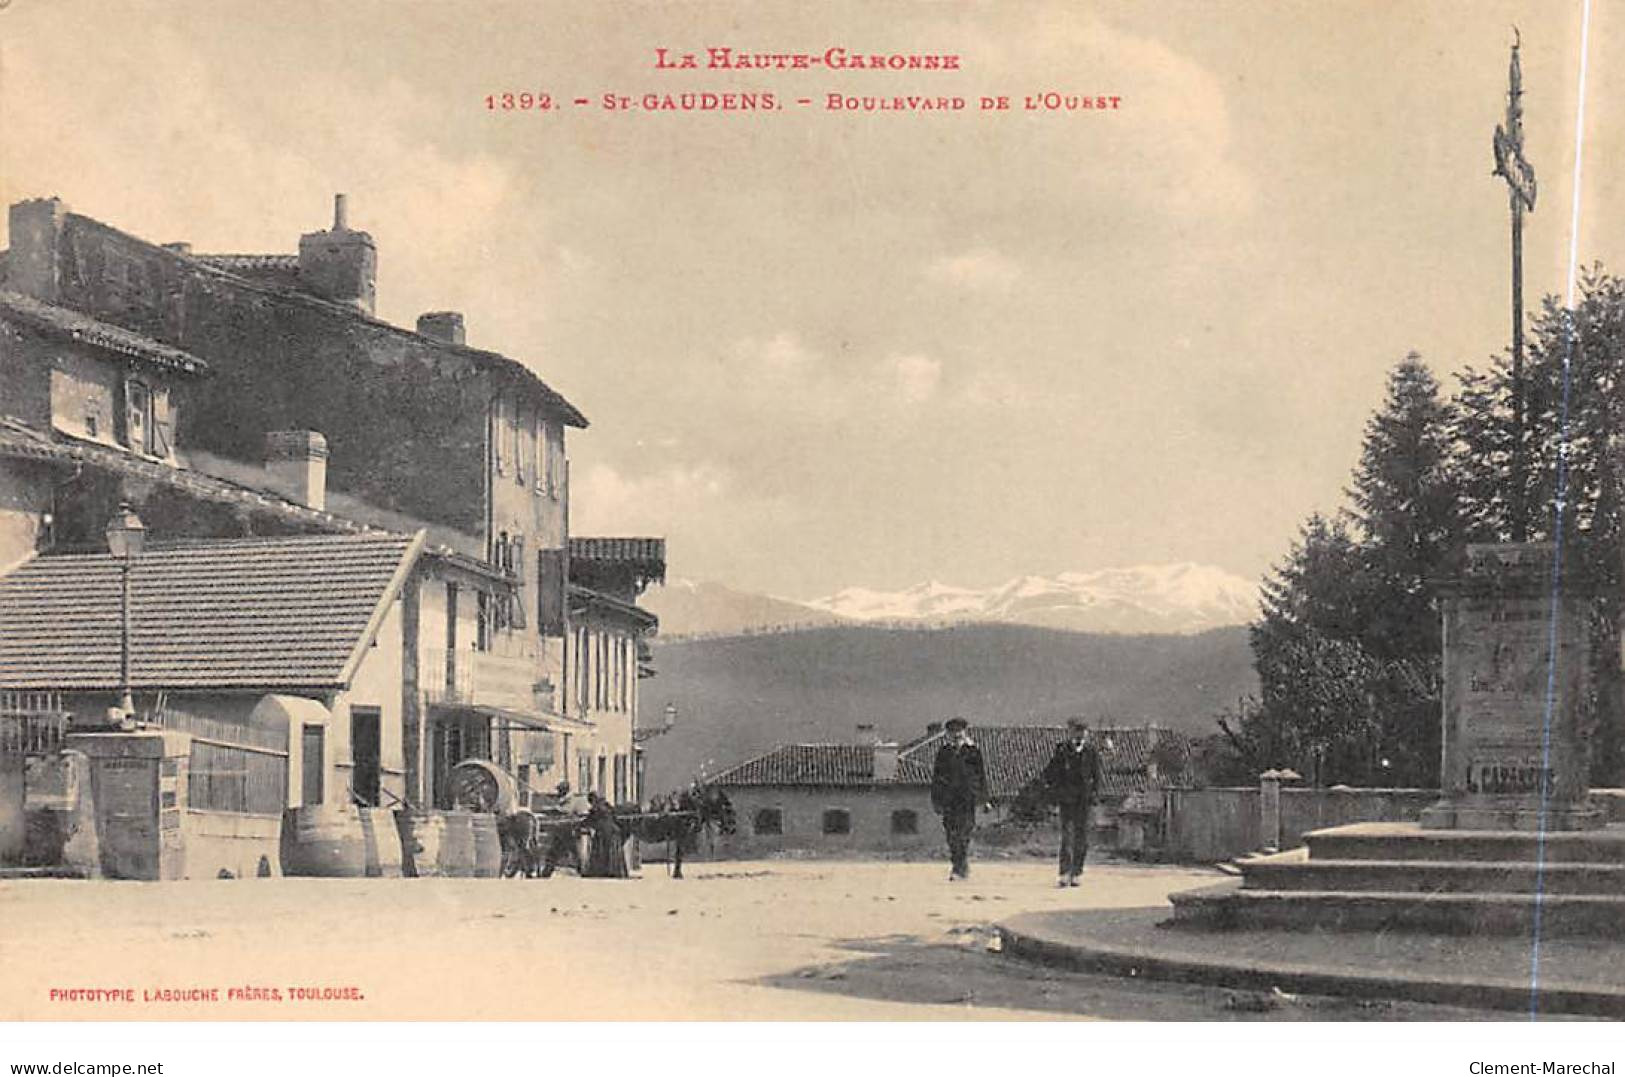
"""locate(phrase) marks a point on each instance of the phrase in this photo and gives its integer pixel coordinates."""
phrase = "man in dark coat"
(958, 788)
(1072, 778)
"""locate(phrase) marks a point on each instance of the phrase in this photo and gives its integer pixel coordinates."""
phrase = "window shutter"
(499, 434)
(516, 569)
(163, 425)
(550, 592)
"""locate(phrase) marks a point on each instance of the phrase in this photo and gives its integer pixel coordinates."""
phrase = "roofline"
(571, 415)
(626, 609)
(139, 347)
(403, 572)
(64, 449)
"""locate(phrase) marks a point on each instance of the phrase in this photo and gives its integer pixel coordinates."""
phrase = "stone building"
(876, 797)
(280, 404)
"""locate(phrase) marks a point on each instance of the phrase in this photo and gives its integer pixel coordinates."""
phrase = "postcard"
(902, 511)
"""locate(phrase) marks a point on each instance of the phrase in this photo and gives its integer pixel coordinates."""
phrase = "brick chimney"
(866, 733)
(446, 325)
(886, 753)
(297, 461)
(340, 264)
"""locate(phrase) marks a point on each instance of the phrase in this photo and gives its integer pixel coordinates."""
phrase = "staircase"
(1398, 876)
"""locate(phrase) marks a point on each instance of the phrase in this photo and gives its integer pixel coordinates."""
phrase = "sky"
(823, 349)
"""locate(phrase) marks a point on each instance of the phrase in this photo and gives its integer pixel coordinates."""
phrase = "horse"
(523, 843)
(678, 818)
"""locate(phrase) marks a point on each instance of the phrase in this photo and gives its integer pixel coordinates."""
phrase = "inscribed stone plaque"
(1515, 647)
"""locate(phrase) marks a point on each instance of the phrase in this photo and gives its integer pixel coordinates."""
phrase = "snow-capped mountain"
(1177, 598)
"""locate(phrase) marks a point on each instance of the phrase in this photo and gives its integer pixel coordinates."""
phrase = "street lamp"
(126, 537)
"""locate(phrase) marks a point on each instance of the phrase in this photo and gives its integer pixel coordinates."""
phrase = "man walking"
(1072, 778)
(958, 787)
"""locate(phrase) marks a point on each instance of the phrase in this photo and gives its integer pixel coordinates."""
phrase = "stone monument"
(1516, 658)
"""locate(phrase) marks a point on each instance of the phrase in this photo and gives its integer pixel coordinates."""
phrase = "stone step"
(1434, 876)
(1228, 905)
(1408, 841)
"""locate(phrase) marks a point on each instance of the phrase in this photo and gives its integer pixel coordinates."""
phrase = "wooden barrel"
(487, 846)
(457, 845)
(382, 843)
(325, 841)
(422, 834)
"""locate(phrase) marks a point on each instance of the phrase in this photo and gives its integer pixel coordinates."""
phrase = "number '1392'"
(518, 102)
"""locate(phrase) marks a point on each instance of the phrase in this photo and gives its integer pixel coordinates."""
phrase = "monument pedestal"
(1516, 843)
(1516, 659)
(1448, 816)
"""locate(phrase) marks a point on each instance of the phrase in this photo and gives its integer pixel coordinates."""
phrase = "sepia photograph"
(918, 512)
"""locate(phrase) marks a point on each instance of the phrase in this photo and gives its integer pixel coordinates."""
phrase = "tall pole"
(1520, 177)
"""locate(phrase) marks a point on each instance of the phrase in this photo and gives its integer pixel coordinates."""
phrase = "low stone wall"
(1209, 825)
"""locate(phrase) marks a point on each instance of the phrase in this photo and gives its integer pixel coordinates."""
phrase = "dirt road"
(748, 940)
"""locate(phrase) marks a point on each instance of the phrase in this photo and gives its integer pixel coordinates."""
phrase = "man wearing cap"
(1072, 777)
(958, 786)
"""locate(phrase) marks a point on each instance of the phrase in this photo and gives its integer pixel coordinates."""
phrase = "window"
(905, 821)
(837, 821)
(768, 821)
(137, 416)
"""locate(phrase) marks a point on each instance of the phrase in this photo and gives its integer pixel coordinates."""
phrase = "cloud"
(978, 270)
(786, 376)
(603, 499)
(916, 377)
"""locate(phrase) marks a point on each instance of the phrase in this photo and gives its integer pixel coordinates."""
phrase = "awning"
(524, 719)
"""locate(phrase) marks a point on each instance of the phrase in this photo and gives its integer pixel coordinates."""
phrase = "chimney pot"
(340, 216)
(866, 733)
(446, 325)
(933, 728)
(886, 754)
(297, 461)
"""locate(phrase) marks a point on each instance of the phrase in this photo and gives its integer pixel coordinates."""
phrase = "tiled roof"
(72, 325)
(251, 261)
(820, 764)
(1014, 755)
(280, 269)
(20, 439)
(241, 613)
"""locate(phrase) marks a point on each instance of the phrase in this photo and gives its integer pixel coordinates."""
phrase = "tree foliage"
(1347, 647)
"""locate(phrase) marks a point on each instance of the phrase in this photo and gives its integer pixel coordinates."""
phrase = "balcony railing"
(482, 679)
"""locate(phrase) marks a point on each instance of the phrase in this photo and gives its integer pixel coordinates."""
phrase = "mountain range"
(736, 696)
(1179, 599)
